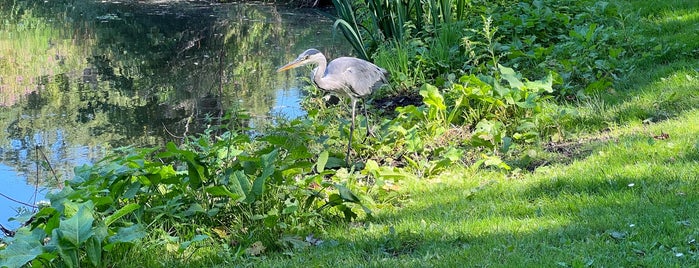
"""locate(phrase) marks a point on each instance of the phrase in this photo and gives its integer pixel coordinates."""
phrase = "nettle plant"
(498, 115)
(234, 188)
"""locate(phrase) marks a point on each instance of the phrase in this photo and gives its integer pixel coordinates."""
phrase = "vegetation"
(550, 133)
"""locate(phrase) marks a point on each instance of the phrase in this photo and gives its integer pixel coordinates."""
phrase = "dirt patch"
(568, 151)
(453, 135)
(389, 104)
(578, 148)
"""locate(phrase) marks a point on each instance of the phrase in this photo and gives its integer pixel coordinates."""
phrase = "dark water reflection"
(80, 77)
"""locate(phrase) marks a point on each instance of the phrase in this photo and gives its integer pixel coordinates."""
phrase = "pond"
(79, 78)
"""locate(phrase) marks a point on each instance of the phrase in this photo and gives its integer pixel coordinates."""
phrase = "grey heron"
(352, 77)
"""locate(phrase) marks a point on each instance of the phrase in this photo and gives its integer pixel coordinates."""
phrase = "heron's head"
(309, 56)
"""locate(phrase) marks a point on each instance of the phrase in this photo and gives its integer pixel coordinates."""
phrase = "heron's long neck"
(320, 72)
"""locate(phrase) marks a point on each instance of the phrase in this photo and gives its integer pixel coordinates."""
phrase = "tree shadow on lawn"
(633, 212)
(664, 47)
(606, 221)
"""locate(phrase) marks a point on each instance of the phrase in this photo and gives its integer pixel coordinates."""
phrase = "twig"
(36, 185)
(170, 133)
(17, 201)
(53, 172)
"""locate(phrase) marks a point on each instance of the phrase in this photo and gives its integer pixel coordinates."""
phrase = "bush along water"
(261, 193)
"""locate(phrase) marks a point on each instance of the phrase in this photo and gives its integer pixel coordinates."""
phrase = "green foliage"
(348, 23)
(500, 115)
(580, 42)
(232, 187)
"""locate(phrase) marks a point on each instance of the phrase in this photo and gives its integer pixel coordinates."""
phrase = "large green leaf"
(346, 194)
(48, 216)
(22, 248)
(545, 84)
(69, 255)
(432, 97)
(238, 184)
(128, 234)
(93, 247)
(120, 213)
(78, 228)
(196, 172)
(245, 186)
(258, 185)
(511, 76)
(322, 160)
(488, 133)
(195, 169)
(220, 190)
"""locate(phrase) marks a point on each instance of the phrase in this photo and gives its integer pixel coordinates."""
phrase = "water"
(78, 78)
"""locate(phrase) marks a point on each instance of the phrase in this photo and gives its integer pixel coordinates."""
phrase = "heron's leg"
(349, 144)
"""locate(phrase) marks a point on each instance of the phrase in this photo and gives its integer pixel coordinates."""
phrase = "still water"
(78, 78)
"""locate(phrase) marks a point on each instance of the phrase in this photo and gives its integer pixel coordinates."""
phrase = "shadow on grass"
(624, 207)
(665, 53)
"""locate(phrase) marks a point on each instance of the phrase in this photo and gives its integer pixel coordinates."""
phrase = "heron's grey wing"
(360, 77)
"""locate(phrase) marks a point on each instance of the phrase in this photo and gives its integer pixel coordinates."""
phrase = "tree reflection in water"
(78, 78)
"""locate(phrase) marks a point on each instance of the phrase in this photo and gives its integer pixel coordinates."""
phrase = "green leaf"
(512, 78)
(49, 216)
(296, 242)
(258, 185)
(69, 255)
(194, 208)
(236, 181)
(434, 100)
(545, 84)
(101, 231)
(502, 92)
(245, 186)
(349, 214)
(494, 161)
(196, 172)
(78, 228)
(529, 102)
(590, 32)
(22, 248)
(132, 190)
(221, 190)
(432, 97)
(346, 194)
(322, 160)
(128, 234)
(93, 247)
(120, 213)
(488, 133)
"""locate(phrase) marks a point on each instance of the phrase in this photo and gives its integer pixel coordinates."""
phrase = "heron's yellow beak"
(291, 65)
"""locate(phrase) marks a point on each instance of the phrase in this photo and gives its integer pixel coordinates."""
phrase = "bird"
(344, 76)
